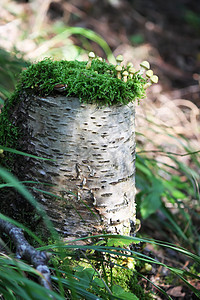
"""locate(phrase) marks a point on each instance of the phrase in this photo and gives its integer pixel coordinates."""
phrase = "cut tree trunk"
(92, 171)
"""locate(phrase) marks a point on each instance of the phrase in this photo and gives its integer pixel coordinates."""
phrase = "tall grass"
(168, 192)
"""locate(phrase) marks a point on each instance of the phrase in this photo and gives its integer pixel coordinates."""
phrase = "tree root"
(24, 250)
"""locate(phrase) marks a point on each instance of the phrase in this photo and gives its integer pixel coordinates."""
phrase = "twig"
(25, 251)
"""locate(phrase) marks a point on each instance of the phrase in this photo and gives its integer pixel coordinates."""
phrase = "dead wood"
(24, 250)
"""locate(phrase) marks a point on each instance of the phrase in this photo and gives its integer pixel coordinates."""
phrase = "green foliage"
(160, 184)
(64, 33)
(8, 132)
(15, 285)
(137, 39)
(137, 289)
(10, 67)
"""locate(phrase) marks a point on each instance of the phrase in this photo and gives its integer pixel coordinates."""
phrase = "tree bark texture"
(92, 171)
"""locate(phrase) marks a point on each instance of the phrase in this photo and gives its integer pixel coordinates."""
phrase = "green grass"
(160, 184)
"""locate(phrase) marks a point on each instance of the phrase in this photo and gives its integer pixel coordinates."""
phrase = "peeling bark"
(94, 153)
(25, 251)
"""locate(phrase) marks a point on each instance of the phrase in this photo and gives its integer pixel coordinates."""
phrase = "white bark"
(94, 149)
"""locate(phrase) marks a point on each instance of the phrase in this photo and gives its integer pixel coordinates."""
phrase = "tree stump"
(88, 184)
(92, 172)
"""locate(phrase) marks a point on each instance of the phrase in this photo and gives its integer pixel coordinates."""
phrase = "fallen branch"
(25, 251)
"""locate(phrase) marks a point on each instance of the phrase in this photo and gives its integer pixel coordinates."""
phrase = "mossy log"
(91, 171)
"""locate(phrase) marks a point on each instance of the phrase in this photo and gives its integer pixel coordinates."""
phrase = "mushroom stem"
(125, 76)
(131, 72)
(119, 69)
(91, 56)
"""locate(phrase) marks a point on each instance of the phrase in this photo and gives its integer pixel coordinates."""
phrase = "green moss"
(137, 289)
(8, 131)
(98, 84)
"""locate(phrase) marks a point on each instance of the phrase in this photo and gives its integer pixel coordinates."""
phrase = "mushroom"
(118, 69)
(1, 153)
(132, 71)
(125, 75)
(119, 59)
(91, 56)
(100, 58)
(129, 64)
(144, 67)
(149, 73)
(153, 79)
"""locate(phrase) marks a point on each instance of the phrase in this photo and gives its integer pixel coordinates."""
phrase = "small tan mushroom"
(149, 73)
(144, 67)
(1, 153)
(119, 69)
(132, 72)
(153, 79)
(125, 76)
(119, 59)
(129, 64)
(91, 56)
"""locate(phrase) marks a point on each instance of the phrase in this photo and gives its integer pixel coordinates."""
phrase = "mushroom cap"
(91, 55)
(129, 64)
(145, 64)
(132, 70)
(125, 73)
(118, 68)
(149, 73)
(119, 58)
(154, 79)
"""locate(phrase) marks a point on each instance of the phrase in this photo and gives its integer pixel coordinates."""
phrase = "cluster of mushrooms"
(145, 69)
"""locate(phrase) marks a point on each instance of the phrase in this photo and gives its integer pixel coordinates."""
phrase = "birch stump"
(92, 174)
(88, 184)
